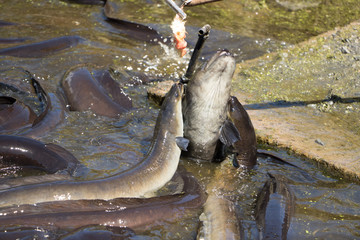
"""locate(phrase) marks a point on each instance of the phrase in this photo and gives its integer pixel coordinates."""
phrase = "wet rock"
(158, 92)
(295, 5)
(314, 68)
(314, 73)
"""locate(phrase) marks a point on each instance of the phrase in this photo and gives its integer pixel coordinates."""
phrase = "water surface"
(326, 206)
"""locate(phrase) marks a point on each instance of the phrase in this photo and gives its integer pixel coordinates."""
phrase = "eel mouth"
(5, 100)
(179, 90)
(220, 58)
(220, 66)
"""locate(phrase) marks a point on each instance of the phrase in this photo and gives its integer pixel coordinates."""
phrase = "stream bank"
(307, 98)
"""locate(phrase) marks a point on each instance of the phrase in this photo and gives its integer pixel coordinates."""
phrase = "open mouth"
(218, 61)
(219, 55)
(224, 52)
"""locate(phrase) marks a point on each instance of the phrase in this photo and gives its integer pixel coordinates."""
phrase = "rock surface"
(158, 92)
(307, 98)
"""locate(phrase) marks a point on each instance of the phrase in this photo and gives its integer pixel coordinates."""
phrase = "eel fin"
(182, 143)
(43, 97)
(229, 134)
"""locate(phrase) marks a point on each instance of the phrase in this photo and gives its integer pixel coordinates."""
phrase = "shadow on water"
(285, 104)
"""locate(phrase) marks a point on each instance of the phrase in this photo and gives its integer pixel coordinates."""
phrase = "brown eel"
(156, 169)
(135, 213)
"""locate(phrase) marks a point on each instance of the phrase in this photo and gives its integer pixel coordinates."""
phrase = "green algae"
(311, 71)
(268, 18)
(322, 73)
(252, 18)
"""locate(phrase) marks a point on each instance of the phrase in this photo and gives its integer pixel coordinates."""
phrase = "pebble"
(344, 50)
(318, 141)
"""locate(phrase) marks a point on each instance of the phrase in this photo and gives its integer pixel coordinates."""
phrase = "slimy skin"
(23, 151)
(136, 213)
(17, 117)
(157, 168)
(42, 49)
(53, 115)
(85, 92)
(205, 105)
(215, 122)
(245, 147)
(130, 29)
(274, 209)
(14, 114)
(220, 220)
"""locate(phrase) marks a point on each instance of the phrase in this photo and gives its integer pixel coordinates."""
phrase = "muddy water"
(326, 206)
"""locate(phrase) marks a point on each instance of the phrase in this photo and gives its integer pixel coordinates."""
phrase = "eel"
(23, 151)
(42, 49)
(100, 232)
(216, 123)
(89, 2)
(156, 169)
(18, 116)
(131, 29)
(220, 220)
(274, 208)
(205, 105)
(13, 40)
(52, 115)
(97, 92)
(14, 114)
(134, 213)
(242, 137)
(244, 147)
(5, 23)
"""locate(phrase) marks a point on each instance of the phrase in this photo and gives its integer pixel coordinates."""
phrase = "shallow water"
(326, 206)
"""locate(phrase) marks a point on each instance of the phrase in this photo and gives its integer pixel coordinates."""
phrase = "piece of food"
(178, 28)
